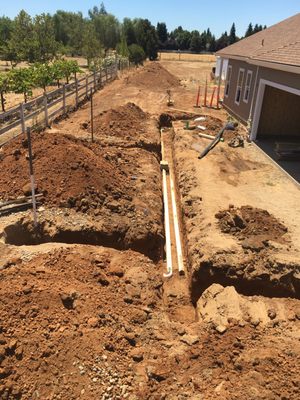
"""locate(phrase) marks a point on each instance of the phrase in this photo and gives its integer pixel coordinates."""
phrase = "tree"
(195, 44)
(45, 36)
(213, 44)
(57, 71)
(122, 48)
(69, 30)
(42, 75)
(183, 40)
(136, 54)
(23, 44)
(232, 34)
(6, 27)
(249, 30)
(20, 80)
(222, 41)
(146, 37)
(69, 67)
(129, 31)
(4, 87)
(162, 33)
(92, 48)
(107, 29)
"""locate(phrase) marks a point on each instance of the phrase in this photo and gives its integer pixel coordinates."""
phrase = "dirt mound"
(121, 120)
(154, 76)
(77, 322)
(69, 172)
(127, 126)
(252, 225)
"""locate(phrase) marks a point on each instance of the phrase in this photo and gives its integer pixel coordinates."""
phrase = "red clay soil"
(91, 324)
(119, 121)
(127, 126)
(252, 223)
(153, 76)
(66, 170)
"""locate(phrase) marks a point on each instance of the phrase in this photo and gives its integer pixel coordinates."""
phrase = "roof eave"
(267, 64)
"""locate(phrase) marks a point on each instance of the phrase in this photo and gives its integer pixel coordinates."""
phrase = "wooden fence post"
(64, 98)
(22, 119)
(76, 93)
(46, 110)
(87, 86)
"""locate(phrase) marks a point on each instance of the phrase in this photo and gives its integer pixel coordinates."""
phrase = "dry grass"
(187, 57)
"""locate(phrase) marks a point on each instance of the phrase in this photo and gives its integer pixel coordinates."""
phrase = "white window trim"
(237, 86)
(228, 81)
(249, 72)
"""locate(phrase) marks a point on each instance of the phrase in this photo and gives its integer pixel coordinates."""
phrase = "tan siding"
(242, 110)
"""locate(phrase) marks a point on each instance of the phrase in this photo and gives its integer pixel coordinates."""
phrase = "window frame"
(239, 87)
(228, 81)
(247, 87)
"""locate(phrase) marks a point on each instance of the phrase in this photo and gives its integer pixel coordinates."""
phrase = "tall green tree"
(92, 48)
(23, 44)
(249, 30)
(162, 33)
(146, 37)
(195, 44)
(47, 46)
(232, 34)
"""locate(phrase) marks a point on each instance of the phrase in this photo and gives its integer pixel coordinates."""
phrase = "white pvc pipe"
(176, 228)
(167, 227)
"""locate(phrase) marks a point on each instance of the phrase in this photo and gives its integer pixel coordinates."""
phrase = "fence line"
(40, 111)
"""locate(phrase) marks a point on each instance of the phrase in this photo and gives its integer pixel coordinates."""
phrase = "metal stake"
(92, 115)
(32, 178)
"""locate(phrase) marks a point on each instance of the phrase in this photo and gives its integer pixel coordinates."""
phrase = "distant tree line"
(46, 37)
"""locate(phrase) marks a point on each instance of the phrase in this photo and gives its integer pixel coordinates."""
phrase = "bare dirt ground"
(85, 313)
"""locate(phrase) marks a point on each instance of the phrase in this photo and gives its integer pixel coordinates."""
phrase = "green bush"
(136, 54)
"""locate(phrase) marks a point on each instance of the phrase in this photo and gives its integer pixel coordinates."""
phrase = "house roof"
(280, 43)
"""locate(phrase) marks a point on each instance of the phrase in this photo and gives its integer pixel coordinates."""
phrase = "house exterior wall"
(243, 110)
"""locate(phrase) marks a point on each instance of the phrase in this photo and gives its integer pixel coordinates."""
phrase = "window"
(239, 86)
(229, 72)
(247, 86)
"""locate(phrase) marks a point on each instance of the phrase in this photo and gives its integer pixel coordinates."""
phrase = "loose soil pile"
(90, 323)
(153, 76)
(257, 225)
(128, 126)
(121, 121)
(69, 172)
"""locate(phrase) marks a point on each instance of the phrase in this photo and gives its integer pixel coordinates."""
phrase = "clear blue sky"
(191, 14)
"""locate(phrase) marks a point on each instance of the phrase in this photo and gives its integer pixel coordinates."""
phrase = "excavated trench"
(20, 234)
(263, 285)
(209, 272)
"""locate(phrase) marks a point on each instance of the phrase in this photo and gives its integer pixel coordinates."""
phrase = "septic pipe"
(176, 229)
(167, 225)
(165, 167)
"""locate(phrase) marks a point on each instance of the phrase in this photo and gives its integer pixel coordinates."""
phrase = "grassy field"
(186, 57)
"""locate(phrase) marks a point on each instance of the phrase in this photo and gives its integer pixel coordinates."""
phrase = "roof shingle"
(279, 43)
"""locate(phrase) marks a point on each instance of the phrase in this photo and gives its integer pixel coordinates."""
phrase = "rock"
(221, 328)
(158, 372)
(26, 189)
(272, 314)
(130, 337)
(68, 300)
(137, 354)
(93, 322)
(189, 339)
(109, 347)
